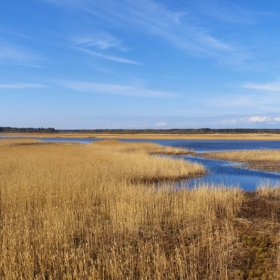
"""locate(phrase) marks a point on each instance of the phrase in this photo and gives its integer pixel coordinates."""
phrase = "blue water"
(224, 172)
(230, 174)
(201, 146)
(218, 172)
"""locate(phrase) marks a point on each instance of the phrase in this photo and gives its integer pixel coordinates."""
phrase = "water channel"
(224, 172)
(218, 172)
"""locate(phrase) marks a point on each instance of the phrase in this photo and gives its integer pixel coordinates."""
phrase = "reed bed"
(268, 160)
(149, 148)
(72, 211)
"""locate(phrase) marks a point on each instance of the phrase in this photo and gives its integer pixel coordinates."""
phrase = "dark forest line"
(138, 131)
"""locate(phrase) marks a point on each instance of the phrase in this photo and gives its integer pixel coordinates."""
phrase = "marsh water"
(218, 172)
(224, 172)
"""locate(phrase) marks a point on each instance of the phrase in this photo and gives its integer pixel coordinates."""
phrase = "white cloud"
(161, 124)
(21, 86)
(259, 119)
(115, 89)
(277, 119)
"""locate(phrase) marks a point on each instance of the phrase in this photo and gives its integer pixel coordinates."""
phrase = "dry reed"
(266, 190)
(268, 160)
(72, 211)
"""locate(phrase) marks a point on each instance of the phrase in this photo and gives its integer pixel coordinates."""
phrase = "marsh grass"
(72, 211)
(149, 148)
(266, 190)
(268, 160)
(259, 233)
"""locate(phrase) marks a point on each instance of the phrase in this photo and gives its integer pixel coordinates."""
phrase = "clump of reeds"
(19, 141)
(268, 160)
(150, 148)
(267, 190)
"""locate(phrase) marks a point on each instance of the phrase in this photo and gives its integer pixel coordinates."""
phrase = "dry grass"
(149, 148)
(266, 190)
(259, 233)
(268, 160)
(19, 141)
(214, 136)
(71, 211)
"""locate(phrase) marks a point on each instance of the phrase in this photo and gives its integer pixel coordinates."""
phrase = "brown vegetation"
(258, 225)
(149, 148)
(268, 160)
(72, 211)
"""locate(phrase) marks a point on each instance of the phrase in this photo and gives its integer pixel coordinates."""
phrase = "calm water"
(218, 172)
(224, 172)
(201, 146)
(230, 174)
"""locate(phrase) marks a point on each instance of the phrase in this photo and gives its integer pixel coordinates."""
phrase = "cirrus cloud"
(115, 89)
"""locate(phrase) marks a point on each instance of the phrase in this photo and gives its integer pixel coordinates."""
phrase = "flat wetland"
(112, 210)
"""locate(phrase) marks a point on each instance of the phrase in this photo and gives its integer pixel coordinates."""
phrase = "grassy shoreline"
(266, 160)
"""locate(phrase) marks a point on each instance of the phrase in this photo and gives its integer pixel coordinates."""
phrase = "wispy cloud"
(21, 86)
(226, 12)
(244, 101)
(274, 86)
(17, 55)
(115, 89)
(100, 40)
(108, 57)
(178, 28)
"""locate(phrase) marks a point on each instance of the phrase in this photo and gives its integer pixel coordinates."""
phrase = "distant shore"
(194, 136)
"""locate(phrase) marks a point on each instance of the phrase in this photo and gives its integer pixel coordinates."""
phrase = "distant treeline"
(142, 131)
(175, 131)
(27, 129)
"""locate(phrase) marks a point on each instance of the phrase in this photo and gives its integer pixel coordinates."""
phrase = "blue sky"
(90, 64)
